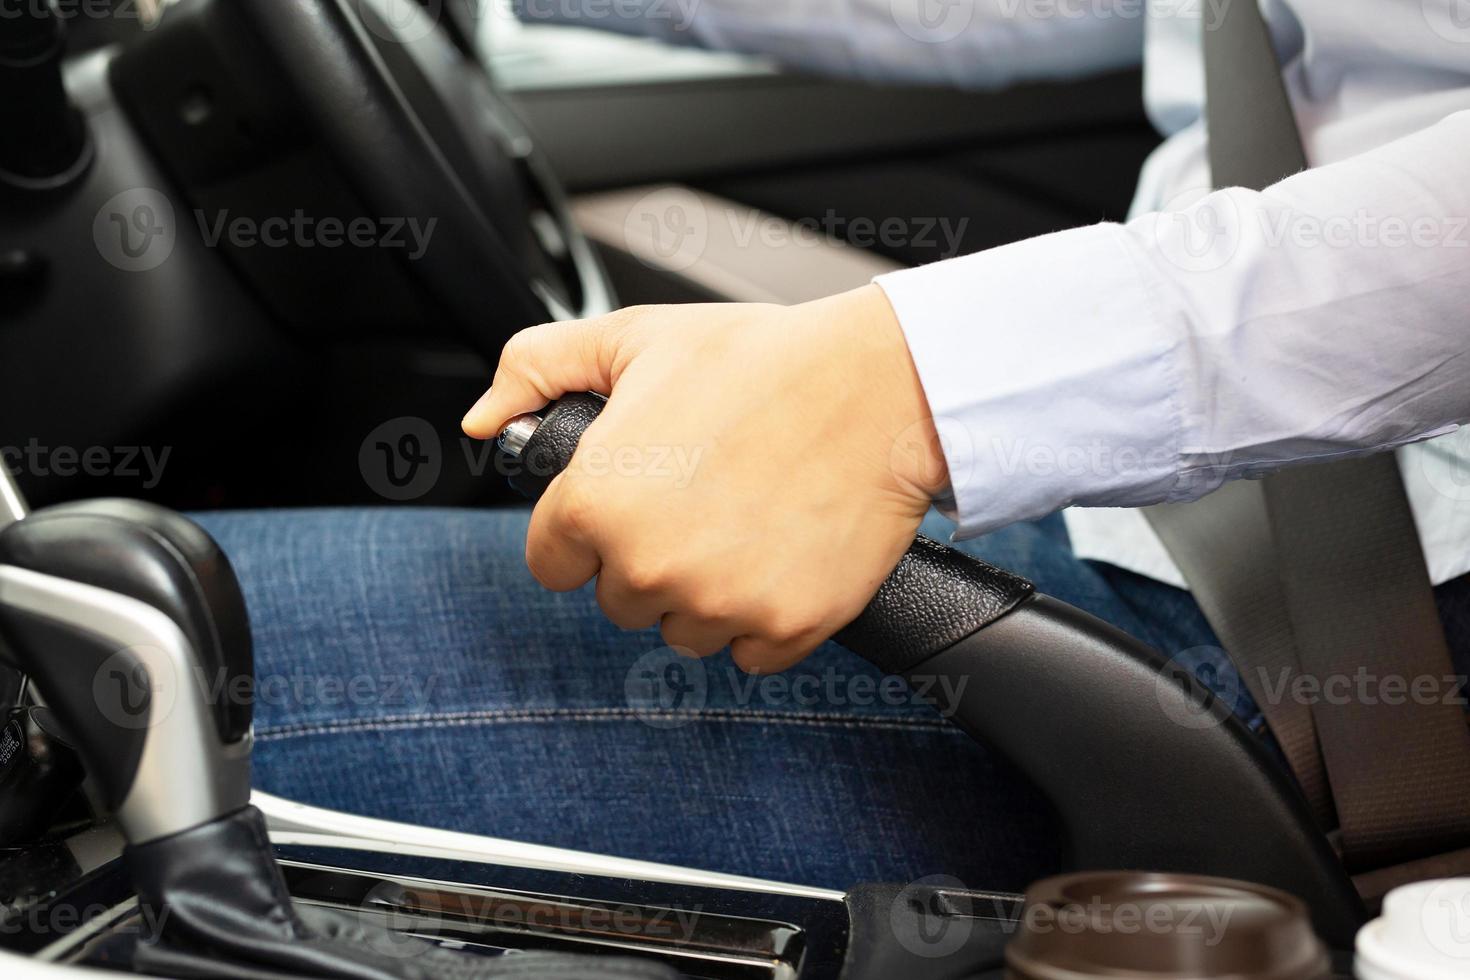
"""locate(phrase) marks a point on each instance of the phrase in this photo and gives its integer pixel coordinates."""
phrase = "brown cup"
(1117, 925)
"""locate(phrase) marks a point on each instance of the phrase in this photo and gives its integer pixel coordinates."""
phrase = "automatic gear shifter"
(130, 623)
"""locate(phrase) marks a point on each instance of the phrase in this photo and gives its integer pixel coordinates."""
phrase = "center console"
(70, 902)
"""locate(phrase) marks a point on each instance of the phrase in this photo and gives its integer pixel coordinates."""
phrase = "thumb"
(539, 365)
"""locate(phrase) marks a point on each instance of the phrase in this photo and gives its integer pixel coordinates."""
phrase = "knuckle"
(577, 506)
(646, 575)
(688, 638)
(789, 627)
(674, 636)
(710, 603)
(616, 611)
(538, 562)
(625, 317)
(621, 618)
(749, 656)
(517, 348)
(618, 328)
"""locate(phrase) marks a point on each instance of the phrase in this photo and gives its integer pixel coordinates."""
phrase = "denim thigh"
(410, 668)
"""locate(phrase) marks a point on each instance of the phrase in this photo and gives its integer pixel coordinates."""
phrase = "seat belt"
(1315, 576)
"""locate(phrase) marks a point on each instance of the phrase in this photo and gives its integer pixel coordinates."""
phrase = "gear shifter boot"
(218, 907)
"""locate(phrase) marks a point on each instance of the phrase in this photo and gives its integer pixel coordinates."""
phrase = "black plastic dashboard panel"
(124, 327)
(620, 135)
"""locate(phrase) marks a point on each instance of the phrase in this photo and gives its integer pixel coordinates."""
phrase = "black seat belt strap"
(1316, 573)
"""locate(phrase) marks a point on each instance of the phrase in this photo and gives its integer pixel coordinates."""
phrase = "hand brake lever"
(935, 596)
(1146, 768)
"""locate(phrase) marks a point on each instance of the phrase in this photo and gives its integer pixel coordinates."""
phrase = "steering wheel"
(418, 129)
(1147, 770)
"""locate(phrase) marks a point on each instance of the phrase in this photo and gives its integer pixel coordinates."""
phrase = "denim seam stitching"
(471, 718)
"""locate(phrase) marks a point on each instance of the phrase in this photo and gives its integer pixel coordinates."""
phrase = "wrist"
(889, 400)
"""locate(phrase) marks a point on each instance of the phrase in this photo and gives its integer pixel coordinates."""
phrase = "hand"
(756, 474)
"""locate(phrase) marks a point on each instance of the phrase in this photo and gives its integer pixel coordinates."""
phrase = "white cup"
(1423, 934)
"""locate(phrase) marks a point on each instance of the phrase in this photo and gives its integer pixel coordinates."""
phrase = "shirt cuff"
(1050, 375)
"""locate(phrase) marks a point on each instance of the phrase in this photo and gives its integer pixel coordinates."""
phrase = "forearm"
(985, 45)
(1123, 365)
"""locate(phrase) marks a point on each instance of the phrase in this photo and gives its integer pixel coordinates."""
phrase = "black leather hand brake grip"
(934, 598)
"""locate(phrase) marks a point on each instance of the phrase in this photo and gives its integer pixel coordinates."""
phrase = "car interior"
(563, 172)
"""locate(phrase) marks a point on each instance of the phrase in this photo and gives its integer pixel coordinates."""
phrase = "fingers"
(562, 554)
(636, 595)
(757, 655)
(559, 549)
(543, 363)
(629, 607)
(701, 637)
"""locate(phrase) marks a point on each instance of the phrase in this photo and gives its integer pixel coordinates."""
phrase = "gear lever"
(129, 621)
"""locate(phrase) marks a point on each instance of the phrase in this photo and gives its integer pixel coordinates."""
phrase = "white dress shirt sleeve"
(978, 44)
(1123, 365)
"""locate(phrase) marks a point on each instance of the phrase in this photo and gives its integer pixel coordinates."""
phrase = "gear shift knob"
(130, 623)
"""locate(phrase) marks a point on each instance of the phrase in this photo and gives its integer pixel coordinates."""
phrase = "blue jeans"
(410, 668)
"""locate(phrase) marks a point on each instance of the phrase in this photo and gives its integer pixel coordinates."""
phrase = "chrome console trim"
(297, 823)
(492, 917)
